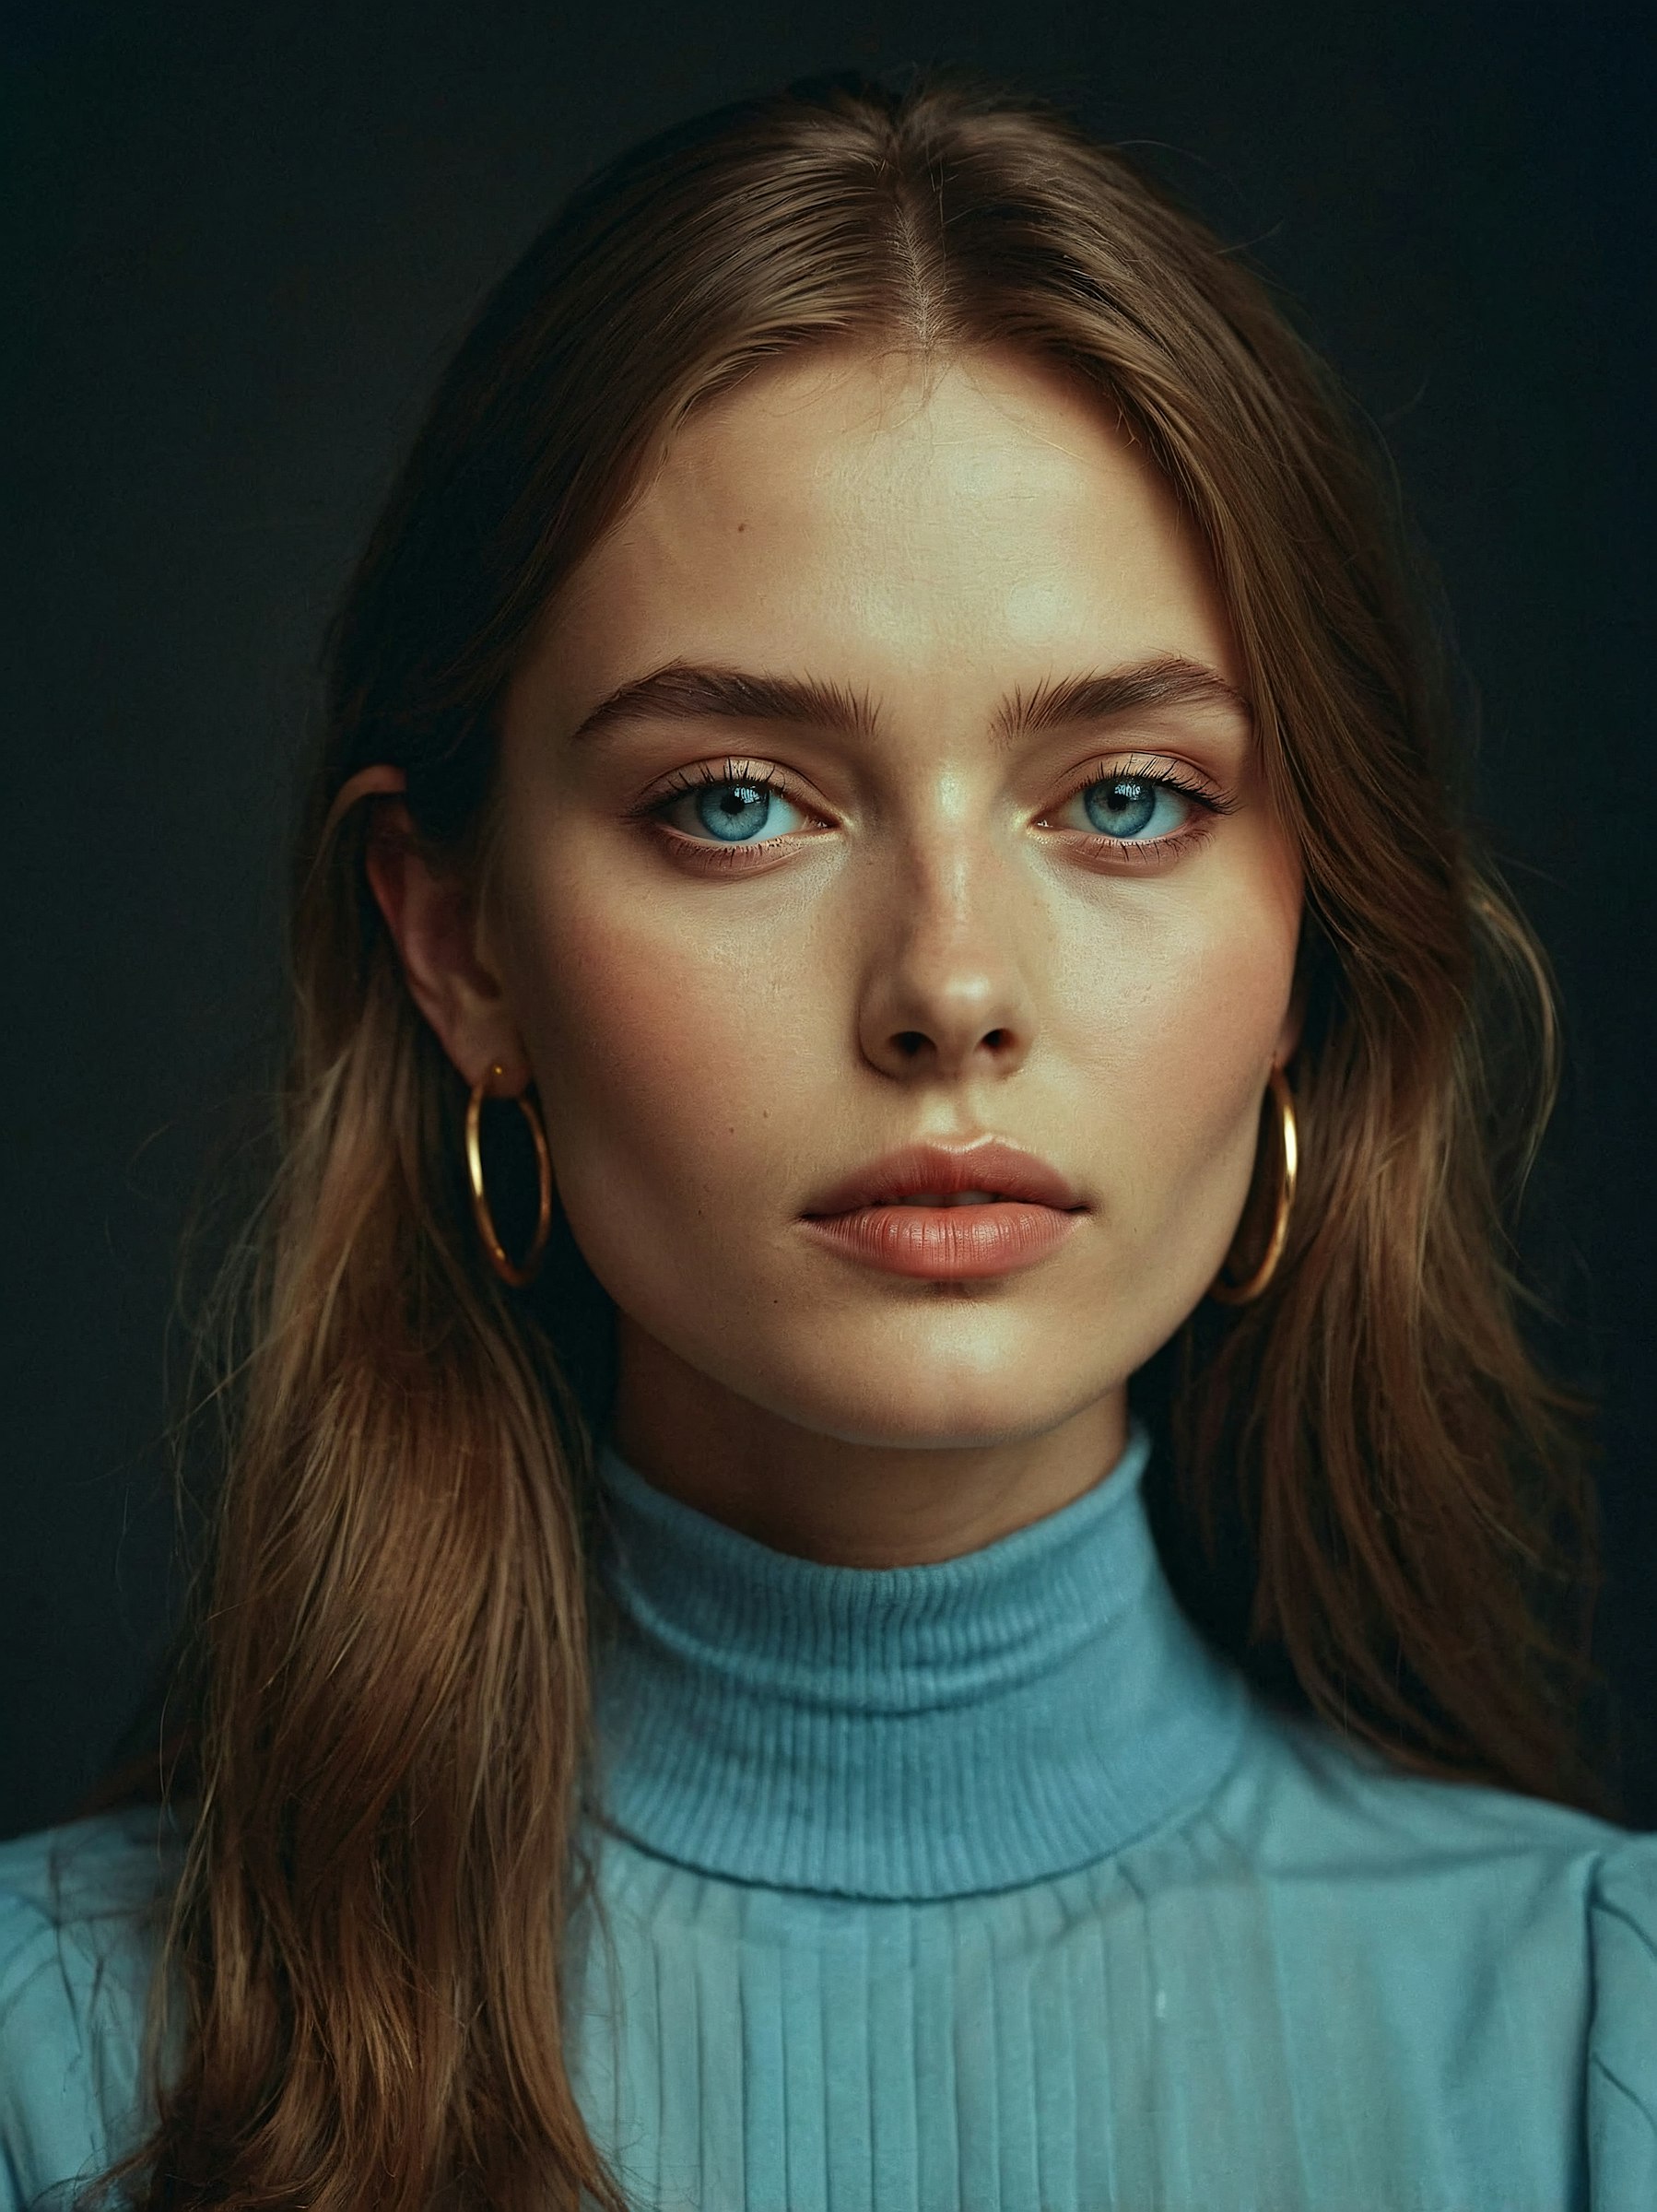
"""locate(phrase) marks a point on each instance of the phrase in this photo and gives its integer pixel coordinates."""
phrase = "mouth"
(965, 1237)
(988, 1171)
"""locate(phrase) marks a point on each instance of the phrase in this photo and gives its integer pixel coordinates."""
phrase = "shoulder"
(1622, 2063)
(82, 1910)
(1308, 1796)
(83, 1899)
(109, 1862)
(1625, 1902)
(1420, 1883)
(1531, 1924)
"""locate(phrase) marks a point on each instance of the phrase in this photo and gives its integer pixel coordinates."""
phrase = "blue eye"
(734, 811)
(1127, 806)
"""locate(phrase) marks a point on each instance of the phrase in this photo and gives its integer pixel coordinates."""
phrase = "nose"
(944, 994)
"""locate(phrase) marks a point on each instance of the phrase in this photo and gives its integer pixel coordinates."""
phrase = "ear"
(433, 918)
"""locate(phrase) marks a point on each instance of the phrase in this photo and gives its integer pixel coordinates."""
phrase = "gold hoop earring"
(525, 1272)
(1241, 1294)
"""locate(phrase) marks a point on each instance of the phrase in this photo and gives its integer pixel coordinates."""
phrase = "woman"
(886, 739)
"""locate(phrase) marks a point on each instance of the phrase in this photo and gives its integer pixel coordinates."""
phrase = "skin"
(939, 945)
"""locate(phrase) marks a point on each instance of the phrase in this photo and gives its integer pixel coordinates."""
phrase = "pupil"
(1122, 806)
(734, 811)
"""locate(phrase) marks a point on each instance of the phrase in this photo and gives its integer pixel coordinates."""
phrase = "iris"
(734, 811)
(1121, 806)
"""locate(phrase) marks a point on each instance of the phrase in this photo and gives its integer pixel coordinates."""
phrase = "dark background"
(242, 239)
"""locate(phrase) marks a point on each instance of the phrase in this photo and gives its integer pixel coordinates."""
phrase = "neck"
(924, 1731)
(845, 1502)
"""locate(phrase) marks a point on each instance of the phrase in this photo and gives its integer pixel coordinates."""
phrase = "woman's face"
(945, 827)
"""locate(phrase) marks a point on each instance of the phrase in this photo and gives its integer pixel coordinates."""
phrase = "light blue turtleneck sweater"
(986, 1885)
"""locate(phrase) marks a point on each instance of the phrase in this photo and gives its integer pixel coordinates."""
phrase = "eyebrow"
(1169, 680)
(682, 692)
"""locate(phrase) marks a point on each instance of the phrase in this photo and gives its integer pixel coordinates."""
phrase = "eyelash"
(1137, 769)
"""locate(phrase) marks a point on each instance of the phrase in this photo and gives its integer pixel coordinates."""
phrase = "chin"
(899, 1390)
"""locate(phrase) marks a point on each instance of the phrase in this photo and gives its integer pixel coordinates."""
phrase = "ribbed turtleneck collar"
(902, 1731)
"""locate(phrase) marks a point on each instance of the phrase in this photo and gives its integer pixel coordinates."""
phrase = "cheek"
(662, 1063)
(1184, 1010)
(1195, 1043)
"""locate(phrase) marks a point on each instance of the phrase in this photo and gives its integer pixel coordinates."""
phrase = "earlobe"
(430, 914)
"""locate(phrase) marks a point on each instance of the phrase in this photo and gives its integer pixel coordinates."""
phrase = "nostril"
(910, 1042)
(996, 1039)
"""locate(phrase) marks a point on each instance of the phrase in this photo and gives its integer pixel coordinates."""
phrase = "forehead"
(986, 520)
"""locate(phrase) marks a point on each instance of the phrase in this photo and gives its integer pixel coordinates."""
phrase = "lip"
(987, 1164)
(945, 1244)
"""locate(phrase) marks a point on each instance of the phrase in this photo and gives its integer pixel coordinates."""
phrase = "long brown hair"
(1370, 1492)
